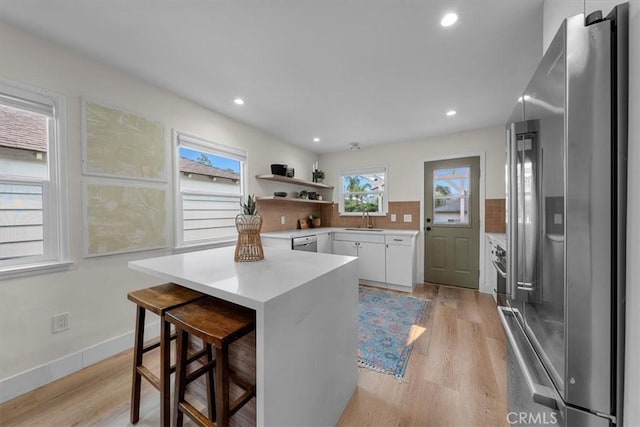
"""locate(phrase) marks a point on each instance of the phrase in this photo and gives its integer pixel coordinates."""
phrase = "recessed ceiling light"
(316, 139)
(238, 101)
(449, 19)
(451, 113)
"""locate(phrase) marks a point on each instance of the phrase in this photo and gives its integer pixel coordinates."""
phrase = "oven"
(499, 261)
(305, 243)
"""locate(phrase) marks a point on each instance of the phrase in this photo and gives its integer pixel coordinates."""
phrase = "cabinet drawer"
(398, 240)
(361, 236)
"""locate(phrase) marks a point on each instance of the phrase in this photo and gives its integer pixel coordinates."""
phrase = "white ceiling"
(371, 71)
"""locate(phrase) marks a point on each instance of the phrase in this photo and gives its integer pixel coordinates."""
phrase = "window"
(451, 196)
(211, 184)
(363, 190)
(33, 228)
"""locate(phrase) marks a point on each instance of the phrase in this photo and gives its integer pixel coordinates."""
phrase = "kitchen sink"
(364, 229)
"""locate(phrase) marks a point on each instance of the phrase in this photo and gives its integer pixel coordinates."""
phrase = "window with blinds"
(32, 230)
(211, 184)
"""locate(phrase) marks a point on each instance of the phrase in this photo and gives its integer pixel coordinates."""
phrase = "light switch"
(282, 219)
(393, 217)
(557, 219)
(407, 218)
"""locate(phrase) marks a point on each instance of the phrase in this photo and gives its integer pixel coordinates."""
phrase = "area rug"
(385, 321)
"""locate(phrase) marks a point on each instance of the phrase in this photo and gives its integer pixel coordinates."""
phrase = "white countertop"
(289, 234)
(250, 284)
(500, 238)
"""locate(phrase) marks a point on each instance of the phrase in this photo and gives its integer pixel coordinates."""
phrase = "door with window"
(452, 221)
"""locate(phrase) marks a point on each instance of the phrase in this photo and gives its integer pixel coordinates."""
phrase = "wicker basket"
(249, 245)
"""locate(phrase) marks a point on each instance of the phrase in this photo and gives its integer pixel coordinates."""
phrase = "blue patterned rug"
(384, 324)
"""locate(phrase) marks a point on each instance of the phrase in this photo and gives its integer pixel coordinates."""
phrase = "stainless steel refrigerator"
(566, 145)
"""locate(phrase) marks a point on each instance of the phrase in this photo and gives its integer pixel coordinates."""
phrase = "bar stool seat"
(157, 299)
(219, 323)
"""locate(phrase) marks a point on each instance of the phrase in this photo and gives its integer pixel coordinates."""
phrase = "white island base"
(306, 324)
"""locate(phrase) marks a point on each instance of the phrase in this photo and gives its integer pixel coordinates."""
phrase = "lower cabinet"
(400, 261)
(372, 261)
(387, 261)
(324, 243)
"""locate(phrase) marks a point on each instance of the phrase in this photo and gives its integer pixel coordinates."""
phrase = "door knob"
(428, 228)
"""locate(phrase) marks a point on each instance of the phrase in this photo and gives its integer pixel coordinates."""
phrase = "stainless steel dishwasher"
(305, 243)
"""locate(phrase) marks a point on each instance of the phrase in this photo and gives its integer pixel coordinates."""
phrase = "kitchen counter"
(289, 234)
(306, 324)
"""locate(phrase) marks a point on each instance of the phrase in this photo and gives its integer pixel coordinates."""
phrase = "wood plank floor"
(455, 377)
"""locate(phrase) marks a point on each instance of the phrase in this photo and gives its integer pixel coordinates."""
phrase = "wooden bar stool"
(157, 299)
(219, 323)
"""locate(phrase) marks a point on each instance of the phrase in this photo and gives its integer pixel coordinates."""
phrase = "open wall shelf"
(291, 199)
(295, 181)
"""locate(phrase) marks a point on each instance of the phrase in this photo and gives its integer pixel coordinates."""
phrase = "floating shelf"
(291, 199)
(295, 181)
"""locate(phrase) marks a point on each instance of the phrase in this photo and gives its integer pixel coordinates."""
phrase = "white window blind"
(211, 184)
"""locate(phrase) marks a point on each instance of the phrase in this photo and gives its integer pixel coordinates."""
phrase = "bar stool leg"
(137, 361)
(165, 373)
(181, 374)
(211, 390)
(222, 386)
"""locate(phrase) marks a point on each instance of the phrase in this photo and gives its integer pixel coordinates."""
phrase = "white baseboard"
(31, 379)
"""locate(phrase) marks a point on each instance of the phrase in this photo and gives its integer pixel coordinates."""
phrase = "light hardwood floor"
(455, 377)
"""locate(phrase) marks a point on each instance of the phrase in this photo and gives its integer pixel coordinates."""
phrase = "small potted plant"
(250, 207)
(319, 175)
(248, 224)
(315, 220)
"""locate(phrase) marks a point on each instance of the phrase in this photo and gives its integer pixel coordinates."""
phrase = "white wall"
(94, 291)
(555, 11)
(405, 160)
(632, 365)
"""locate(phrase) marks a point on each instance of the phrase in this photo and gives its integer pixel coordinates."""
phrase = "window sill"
(34, 269)
(359, 214)
(203, 246)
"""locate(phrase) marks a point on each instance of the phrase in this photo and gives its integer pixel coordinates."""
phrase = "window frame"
(188, 140)
(383, 169)
(55, 206)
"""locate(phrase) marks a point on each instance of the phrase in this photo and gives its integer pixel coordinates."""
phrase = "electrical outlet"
(393, 217)
(282, 219)
(407, 218)
(60, 322)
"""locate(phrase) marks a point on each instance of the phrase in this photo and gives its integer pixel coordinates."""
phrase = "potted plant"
(248, 224)
(250, 207)
(319, 175)
(315, 220)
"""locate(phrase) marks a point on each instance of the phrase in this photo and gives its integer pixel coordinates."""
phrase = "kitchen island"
(306, 324)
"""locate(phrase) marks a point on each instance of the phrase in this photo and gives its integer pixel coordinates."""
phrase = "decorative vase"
(249, 245)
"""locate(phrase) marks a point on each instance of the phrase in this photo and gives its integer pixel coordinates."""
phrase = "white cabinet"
(400, 260)
(371, 261)
(324, 243)
(275, 242)
(368, 248)
(345, 248)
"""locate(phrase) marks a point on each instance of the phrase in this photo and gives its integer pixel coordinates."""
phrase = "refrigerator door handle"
(539, 393)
